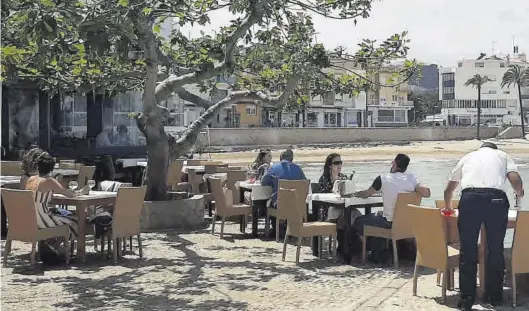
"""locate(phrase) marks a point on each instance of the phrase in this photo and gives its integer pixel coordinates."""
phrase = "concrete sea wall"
(313, 136)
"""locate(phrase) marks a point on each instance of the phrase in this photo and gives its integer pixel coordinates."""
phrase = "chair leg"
(72, 247)
(452, 279)
(364, 249)
(95, 243)
(267, 223)
(130, 245)
(334, 240)
(298, 249)
(513, 289)
(277, 229)
(33, 251)
(395, 254)
(222, 227)
(285, 247)
(103, 245)
(439, 277)
(115, 250)
(415, 276)
(320, 248)
(124, 240)
(213, 218)
(7, 250)
(445, 284)
(140, 246)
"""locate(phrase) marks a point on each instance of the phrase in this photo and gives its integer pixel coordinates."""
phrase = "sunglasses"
(337, 163)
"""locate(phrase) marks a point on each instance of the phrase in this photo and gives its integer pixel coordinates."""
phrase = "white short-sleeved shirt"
(483, 168)
(392, 185)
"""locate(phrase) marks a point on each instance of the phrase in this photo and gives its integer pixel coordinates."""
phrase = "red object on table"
(252, 180)
(447, 212)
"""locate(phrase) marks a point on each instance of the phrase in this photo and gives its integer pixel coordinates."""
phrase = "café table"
(348, 203)
(11, 182)
(82, 203)
(451, 229)
(247, 186)
(132, 162)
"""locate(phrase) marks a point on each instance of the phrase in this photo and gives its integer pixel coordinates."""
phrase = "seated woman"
(262, 163)
(44, 187)
(29, 165)
(332, 171)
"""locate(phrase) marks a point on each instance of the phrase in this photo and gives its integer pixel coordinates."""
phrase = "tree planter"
(184, 211)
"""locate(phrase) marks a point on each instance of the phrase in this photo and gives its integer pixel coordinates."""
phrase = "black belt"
(484, 190)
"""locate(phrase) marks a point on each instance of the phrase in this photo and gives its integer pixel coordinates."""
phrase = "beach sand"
(369, 152)
(200, 271)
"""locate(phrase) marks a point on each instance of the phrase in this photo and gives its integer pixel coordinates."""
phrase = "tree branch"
(169, 85)
(188, 139)
(192, 98)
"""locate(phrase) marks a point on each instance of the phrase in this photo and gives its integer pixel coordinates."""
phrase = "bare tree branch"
(165, 88)
(189, 138)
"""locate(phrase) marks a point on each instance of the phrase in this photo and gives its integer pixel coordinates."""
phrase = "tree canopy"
(118, 45)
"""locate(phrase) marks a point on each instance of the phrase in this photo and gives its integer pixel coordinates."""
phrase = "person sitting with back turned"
(285, 169)
(482, 175)
(390, 185)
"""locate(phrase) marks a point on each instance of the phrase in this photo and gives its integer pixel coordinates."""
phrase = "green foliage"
(425, 103)
(83, 45)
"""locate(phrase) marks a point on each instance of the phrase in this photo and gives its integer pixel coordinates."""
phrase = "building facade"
(499, 105)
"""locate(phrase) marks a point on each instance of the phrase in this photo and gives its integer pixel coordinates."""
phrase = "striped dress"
(47, 219)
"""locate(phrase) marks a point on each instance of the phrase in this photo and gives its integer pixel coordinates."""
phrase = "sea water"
(431, 172)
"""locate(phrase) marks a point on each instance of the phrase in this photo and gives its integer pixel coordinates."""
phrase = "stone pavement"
(198, 271)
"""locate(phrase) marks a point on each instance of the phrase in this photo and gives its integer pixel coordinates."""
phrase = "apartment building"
(499, 105)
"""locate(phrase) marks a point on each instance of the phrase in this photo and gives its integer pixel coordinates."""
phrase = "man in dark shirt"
(285, 169)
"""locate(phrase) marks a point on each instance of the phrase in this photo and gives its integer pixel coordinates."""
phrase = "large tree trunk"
(521, 110)
(156, 175)
(479, 109)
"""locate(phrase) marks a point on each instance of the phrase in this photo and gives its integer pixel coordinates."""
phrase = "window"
(328, 98)
(394, 98)
(480, 64)
(312, 119)
(330, 119)
(502, 65)
(400, 116)
(448, 90)
(386, 115)
(448, 76)
(73, 115)
(250, 110)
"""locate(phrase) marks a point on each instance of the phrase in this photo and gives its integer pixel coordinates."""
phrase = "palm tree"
(477, 81)
(519, 76)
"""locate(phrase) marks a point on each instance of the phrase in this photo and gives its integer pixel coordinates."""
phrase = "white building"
(499, 105)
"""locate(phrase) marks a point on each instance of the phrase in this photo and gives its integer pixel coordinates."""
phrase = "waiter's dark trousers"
(489, 207)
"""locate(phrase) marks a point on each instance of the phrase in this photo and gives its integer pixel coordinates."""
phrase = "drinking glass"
(91, 183)
(73, 185)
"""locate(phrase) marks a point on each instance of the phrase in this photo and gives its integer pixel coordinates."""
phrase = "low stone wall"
(182, 213)
(313, 136)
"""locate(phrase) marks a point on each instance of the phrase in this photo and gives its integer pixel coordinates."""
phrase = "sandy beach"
(369, 152)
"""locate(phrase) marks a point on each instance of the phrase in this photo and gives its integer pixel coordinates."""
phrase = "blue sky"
(441, 31)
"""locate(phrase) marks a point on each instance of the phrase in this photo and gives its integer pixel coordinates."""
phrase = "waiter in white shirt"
(482, 175)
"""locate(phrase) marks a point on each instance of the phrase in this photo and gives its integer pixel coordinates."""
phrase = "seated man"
(390, 185)
(285, 169)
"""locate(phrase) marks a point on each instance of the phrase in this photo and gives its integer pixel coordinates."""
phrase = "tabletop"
(133, 162)
(10, 181)
(92, 196)
(66, 172)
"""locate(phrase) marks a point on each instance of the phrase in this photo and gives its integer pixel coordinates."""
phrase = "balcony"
(406, 103)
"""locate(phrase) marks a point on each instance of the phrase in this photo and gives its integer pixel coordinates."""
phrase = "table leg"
(482, 251)
(347, 233)
(315, 240)
(255, 218)
(368, 210)
(81, 238)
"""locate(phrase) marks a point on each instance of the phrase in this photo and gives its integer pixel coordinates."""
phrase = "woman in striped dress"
(44, 187)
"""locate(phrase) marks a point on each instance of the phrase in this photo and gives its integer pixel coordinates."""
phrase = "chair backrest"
(403, 219)
(295, 219)
(520, 246)
(194, 162)
(430, 237)
(223, 197)
(452, 233)
(85, 173)
(441, 204)
(233, 177)
(11, 168)
(302, 191)
(127, 211)
(195, 180)
(174, 175)
(20, 209)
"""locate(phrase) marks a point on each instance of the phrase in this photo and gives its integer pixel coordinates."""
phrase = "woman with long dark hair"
(29, 165)
(262, 163)
(332, 171)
